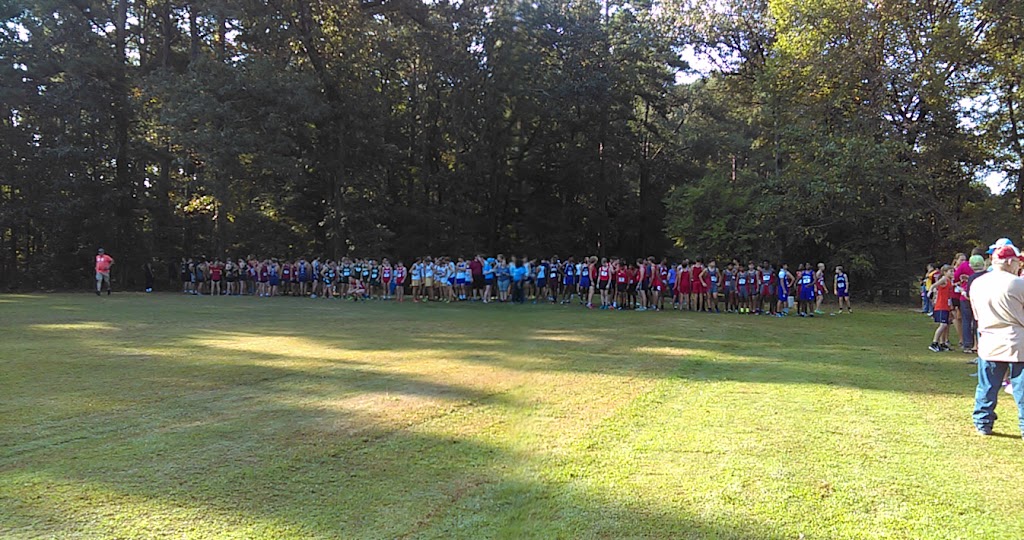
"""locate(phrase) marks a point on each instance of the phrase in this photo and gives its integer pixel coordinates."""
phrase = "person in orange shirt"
(943, 294)
(103, 262)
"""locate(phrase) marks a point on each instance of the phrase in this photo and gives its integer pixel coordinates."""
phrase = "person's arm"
(942, 281)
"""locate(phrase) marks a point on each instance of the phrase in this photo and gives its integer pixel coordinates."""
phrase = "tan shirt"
(998, 302)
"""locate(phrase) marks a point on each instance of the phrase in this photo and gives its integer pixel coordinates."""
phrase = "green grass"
(167, 416)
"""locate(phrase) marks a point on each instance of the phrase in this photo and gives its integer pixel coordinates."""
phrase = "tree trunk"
(122, 172)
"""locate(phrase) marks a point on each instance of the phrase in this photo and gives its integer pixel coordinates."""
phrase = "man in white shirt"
(998, 301)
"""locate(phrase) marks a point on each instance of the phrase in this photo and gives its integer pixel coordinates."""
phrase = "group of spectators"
(982, 297)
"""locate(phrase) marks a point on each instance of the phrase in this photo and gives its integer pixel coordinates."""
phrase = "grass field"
(167, 416)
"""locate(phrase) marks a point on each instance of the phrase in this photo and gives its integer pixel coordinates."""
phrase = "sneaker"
(984, 430)
(97, 293)
(934, 347)
(944, 347)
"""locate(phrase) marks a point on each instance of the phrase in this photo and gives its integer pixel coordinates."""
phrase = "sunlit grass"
(167, 416)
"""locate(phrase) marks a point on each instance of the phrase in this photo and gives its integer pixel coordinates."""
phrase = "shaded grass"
(156, 416)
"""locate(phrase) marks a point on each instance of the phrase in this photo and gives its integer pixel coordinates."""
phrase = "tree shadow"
(336, 433)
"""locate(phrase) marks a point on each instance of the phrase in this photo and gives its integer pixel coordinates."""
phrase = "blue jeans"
(926, 301)
(990, 382)
(967, 325)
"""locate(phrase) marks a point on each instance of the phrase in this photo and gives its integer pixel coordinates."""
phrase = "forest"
(854, 132)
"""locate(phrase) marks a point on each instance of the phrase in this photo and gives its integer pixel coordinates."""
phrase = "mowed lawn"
(167, 416)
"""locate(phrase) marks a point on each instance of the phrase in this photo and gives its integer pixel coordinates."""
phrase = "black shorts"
(602, 285)
(478, 281)
(955, 303)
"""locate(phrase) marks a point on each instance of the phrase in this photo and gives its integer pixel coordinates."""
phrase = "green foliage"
(839, 131)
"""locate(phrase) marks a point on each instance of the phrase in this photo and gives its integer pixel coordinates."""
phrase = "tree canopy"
(844, 131)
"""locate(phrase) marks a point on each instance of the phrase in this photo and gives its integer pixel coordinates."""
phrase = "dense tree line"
(842, 131)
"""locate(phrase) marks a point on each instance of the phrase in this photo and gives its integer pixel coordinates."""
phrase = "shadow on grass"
(197, 420)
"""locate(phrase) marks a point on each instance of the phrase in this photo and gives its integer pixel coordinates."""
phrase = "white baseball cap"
(999, 243)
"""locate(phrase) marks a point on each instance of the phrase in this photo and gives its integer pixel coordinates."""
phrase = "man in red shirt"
(103, 262)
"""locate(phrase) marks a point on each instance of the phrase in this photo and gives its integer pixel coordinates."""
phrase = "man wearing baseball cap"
(998, 301)
(999, 243)
(103, 262)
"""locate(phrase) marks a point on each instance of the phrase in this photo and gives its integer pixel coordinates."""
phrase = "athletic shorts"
(644, 286)
(603, 285)
(584, 283)
(542, 282)
(729, 289)
(954, 303)
(744, 292)
(489, 281)
(940, 316)
(569, 282)
(428, 282)
(460, 281)
(275, 281)
(478, 282)
(842, 293)
(415, 283)
(621, 287)
(713, 289)
(103, 276)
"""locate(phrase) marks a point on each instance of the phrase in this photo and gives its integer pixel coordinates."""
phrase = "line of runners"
(605, 284)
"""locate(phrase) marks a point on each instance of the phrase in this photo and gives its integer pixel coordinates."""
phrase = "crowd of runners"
(641, 285)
